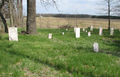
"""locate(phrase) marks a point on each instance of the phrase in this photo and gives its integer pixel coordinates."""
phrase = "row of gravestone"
(101, 30)
(77, 31)
(95, 45)
(13, 35)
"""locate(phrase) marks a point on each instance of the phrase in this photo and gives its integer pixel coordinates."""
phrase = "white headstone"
(83, 29)
(96, 47)
(13, 35)
(66, 29)
(77, 33)
(111, 31)
(62, 33)
(89, 34)
(91, 28)
(50, 36)
(86, 31)
(74, 29)
(100, 31)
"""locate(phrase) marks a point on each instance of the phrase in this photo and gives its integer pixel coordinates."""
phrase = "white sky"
(68, 7)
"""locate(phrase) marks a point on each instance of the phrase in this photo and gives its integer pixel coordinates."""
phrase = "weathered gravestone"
(66, 29)
(86, 31)
(111, 31)
(83, 29)
(77, 33)
(50, 36)
(91, 28)
(13, 35)
(75, 29)
(89, 34)
(96, 47)
(62, 33)
(100, 30)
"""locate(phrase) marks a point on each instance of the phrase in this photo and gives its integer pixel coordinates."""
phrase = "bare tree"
(17, 12)
(14, 7)
(117, 8)
(10, 11)
(2, 3)
(106, 7)
(68, 19)
(76, 19)
(21, 13)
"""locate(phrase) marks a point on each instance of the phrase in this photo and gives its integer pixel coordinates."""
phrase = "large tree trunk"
(4, 22)
(31, 17)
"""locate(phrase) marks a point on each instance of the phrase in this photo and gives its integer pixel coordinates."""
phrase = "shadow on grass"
(8, 47)
(58, 66)
(114, 53)
(115, 42)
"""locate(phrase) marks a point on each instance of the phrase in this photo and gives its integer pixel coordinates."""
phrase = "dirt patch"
(64, 27)
(24, 32)
(108, 39)
(29, 73)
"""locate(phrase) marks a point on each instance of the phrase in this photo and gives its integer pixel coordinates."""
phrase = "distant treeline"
(76, 16)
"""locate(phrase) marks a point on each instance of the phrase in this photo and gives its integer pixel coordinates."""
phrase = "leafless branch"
(48, 3)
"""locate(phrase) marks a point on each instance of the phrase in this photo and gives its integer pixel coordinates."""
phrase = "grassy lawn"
(61, 56)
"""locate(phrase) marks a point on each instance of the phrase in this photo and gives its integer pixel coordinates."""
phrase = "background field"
(54, 22)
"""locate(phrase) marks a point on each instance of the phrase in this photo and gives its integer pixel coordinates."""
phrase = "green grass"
(61, 56)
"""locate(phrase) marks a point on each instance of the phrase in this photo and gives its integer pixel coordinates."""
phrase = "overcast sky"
(68, 6)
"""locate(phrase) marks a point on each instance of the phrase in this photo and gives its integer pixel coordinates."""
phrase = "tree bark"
(18, 12)
(10, 10)
(21, 14)
(4, 21)
(14, 13)
(31, 17)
